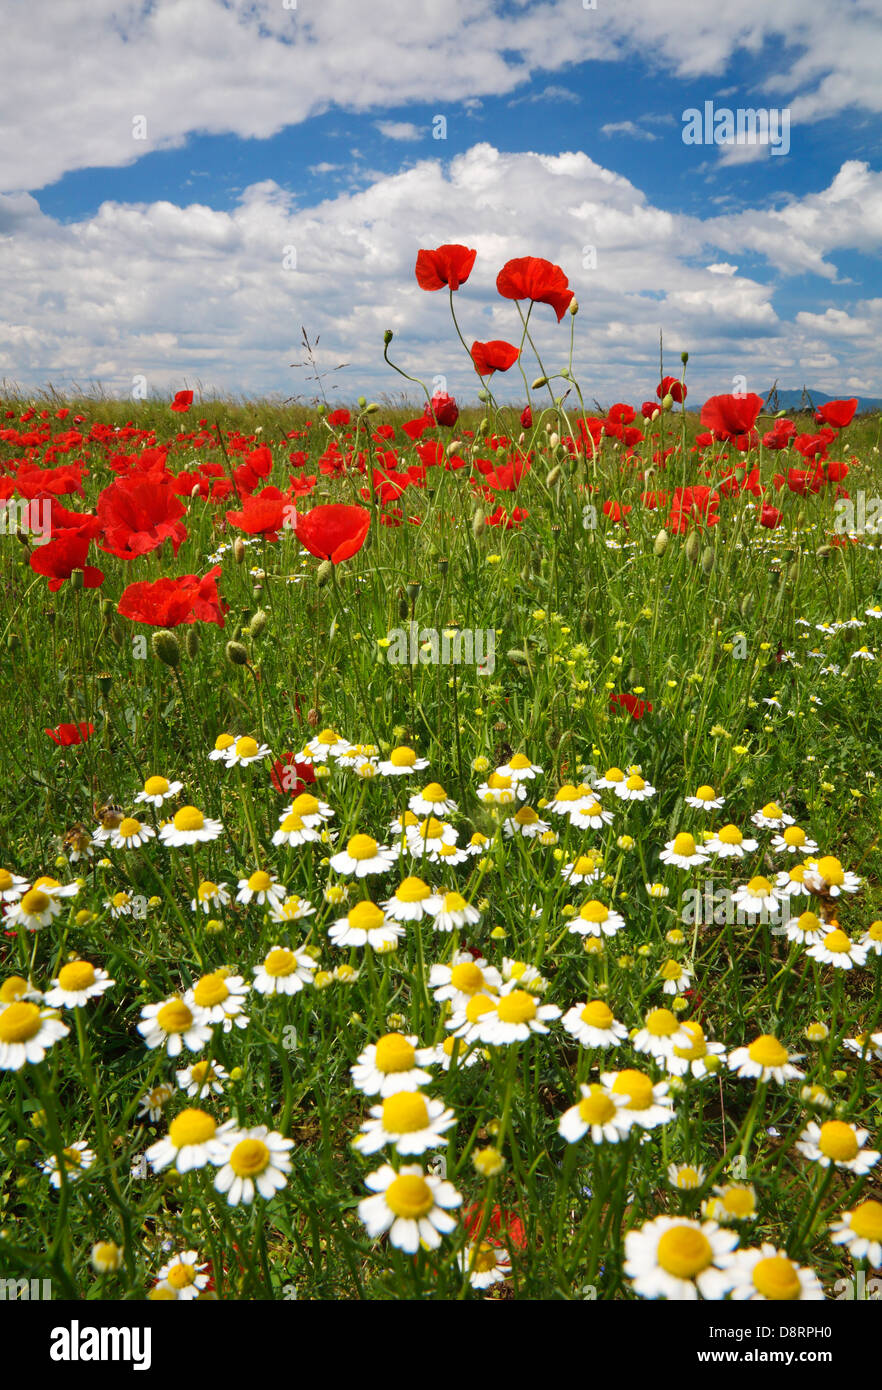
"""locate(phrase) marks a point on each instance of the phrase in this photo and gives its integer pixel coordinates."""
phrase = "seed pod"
(236, 654)
(76, 579)
(660, 544)
(684, 358)
(413, 591)
(166, 646)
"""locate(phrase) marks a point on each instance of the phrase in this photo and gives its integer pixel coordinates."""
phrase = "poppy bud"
(313, 718)
(553, 476)
(521, 437)
(238, 550)
(13, 642)
(824, 551)
(107, 607)
(323, 573)
(479, 524)
(746, 605)
(692, 547)
(707, 559)
(655, 414)
(539, 382)
(574, 306)
(388, 336)
(554, 440)
(194, 490)
(484, 426)
(453, 447)
(258, 622)
(403, 609)
(236, 654)
(660, 543)
(192, 641)
(362, 402)
(483, 395)
(667, 401)
(166, 646)
(684, 358)
(779, 415)
(517, 657)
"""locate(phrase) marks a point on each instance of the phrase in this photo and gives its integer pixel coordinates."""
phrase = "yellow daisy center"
(292, 822)
(671, 970)
(174, 1017)
(201, 1072)
(684, 844)
(794, 835)
(467, 977)
(191, 1127)
(477, 1006)
(519, 762)
(776, 1278)
(394, 1053)
(661, 1023)
(78, 975)
(838, 1141)
(517, 1007)
(698, 1046)
(434, 793)
(402, 757)
(361, 847)
(260, 881)
(808, 922)
(485, 1258)
(224, 741)
(585, 865)
(597, 1014)
(831, 870)
(246, 748)
(614, 774)
(766, 1051)
(596, 1108)
(759, 887)
(413, 890)
(206, 890)
(366, 916)
(637, 1086)
(128, 827)
(635, 783)
(454, 902)
(211, 989)
(35, 903)
(249, 1157)
(684, 1251)
(20, 1022)
(738, 1201)
(280, 961)
(305, 804)
(405, 1113)
(12, 989)
(705, 793)
(837, 942)
(156, 786)
(188, 818)
(410, 1197)
(5, 880)
(730, 835)
(328, 738)
(875, 931)
(866, 1220)
(771, 811)
(568, 792)
(181, 1275)
(594, 911)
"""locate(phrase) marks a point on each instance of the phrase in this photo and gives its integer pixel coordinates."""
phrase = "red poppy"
(333, 532)
(629, 704)
(182, 402)
(621, 414)
(444, 409)
(449, 265)
(648, 409)
(61, 556)
(339, 417)
(257, 465)
(730, 416)
(169, 602)
(138, 513)
(838, 413)
(66, 735)
(263, 514)
(526, 418)
(502, 1223)
(770, 516)
(291, 777)
(495, 356)
(670, 386)
(530, 277)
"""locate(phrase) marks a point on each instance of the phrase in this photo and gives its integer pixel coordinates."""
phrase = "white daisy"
(838, 949)
(586, 869)
(519, 769)
(393, 1063)
(769, 1274)
(501, 791)
(313, 812)
(861, 1231)
(363, 856)
(794, 841)
(692, 1059)
(432, 801)
(789, 883)
(257, 1161)
(807, 929)
(683, 852)
(647, 1105)
(839, 1144)
(410, 901)
(33, 910)
(705, 799)
(210, 895)
(157, 790)
(293, 831)
(826, 875)
(184, 1275)
(598, 1113)
(222, 745)
(485, 1264)
(284, 971)
(326, 744)
(193, 1140)
(366, 925)
(131, 834)
(766, 1059)
(729, 843)
(517, 1015)
(77, 1158)
(463, 978)
(202, 1079)
(592, 1025)
(771, 817)
(596, 919)
(152, 1104)
(411, 1205)
(590, 815)
(451, 912)
(402, 762)
(408, 1121)
(219, 997)
(15, 988)
(677, 1259)
(756, 898)
(26, 1031)
(12, 886)
(525, 822)
(293, 909)
(661, 1033)
(613, 777)
(189, 827)
(872, 938)
(569, 799)
(262, 889)
(77, 983)
(634, 788)
(172, 1024)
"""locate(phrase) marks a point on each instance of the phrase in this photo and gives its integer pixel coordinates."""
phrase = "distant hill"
(794, 399)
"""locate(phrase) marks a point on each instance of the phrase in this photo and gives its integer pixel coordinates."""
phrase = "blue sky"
(314, 127)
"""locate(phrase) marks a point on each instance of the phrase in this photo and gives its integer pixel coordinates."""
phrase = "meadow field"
(440, 850)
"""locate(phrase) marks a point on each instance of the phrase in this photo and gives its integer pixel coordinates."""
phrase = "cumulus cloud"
(191, 293)
(148, 75)
(627, 128)
(400, 130)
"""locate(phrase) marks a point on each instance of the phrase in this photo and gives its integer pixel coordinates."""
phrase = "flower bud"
(238, 550)
(667, 401)
(660, 543)
(479, 523)
(707, 559)
(258, 622)
(539, 383)
(684, 358)
(236, 654)
(692, 547)
(553, 476)
(574, 306)
(388, 336)
(192, 641)
(166, 646)
(371, 408)
(323, 573)
(554, 440)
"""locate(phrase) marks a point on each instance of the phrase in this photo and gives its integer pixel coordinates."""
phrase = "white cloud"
(400, 130)
(192, 293)
(627, 128)
(253, 67)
